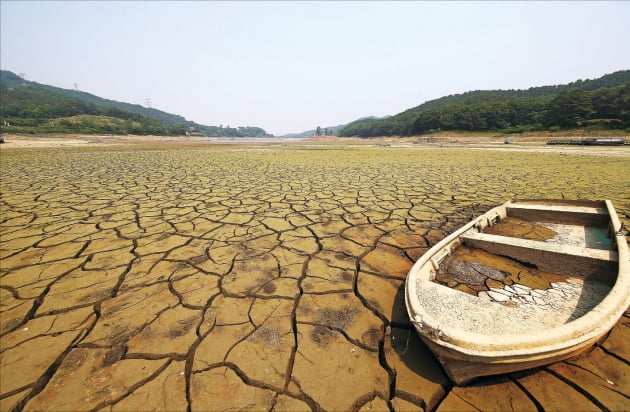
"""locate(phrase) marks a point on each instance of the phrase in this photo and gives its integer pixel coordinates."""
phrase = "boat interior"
(535, 253)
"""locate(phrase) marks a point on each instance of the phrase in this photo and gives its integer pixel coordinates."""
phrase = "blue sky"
(291, 66)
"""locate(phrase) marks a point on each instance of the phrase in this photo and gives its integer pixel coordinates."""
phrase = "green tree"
(569, 107)
(178, 130)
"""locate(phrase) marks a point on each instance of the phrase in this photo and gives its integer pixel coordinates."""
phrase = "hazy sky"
(291, 66)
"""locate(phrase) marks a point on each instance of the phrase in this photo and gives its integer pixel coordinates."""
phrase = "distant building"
(193, 131)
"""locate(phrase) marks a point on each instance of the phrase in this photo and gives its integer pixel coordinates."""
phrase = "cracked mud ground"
(261, 277)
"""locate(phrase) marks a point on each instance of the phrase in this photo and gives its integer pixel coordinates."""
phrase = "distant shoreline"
(519, 143)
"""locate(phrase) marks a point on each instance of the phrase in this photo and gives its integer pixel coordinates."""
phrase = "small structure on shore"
(598, 141)
(193, 131)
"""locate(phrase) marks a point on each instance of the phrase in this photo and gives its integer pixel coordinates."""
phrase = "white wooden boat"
(526, 284)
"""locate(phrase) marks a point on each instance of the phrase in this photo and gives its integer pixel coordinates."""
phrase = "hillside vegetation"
(30, 107)
(602, 103)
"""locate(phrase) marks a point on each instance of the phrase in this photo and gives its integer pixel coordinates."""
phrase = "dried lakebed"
(261, 277)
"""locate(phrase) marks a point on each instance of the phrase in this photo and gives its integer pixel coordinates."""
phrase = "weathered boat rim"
(564, 338)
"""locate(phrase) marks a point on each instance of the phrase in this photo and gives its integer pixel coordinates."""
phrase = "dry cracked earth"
(261, 277)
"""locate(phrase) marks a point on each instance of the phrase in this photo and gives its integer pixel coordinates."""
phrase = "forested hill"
(29, 106)
(599, 103)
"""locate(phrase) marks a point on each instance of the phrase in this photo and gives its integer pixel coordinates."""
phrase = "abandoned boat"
(528, 283)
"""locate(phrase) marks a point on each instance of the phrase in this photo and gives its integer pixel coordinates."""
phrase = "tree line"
(29, 107)
(516, 111)
(220, 131)
(323, 132)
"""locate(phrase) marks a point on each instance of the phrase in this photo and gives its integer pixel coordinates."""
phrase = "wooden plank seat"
(552, 257)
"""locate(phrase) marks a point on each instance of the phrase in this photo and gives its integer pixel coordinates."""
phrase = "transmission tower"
(147, 103)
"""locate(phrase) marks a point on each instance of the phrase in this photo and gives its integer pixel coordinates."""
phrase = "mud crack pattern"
(261, 277)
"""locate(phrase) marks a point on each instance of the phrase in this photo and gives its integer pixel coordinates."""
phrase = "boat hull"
(462, 369)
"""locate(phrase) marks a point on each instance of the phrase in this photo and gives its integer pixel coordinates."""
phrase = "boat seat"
(568, 214)
(552, 257)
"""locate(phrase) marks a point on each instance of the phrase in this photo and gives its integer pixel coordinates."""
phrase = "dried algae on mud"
(264, 277)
